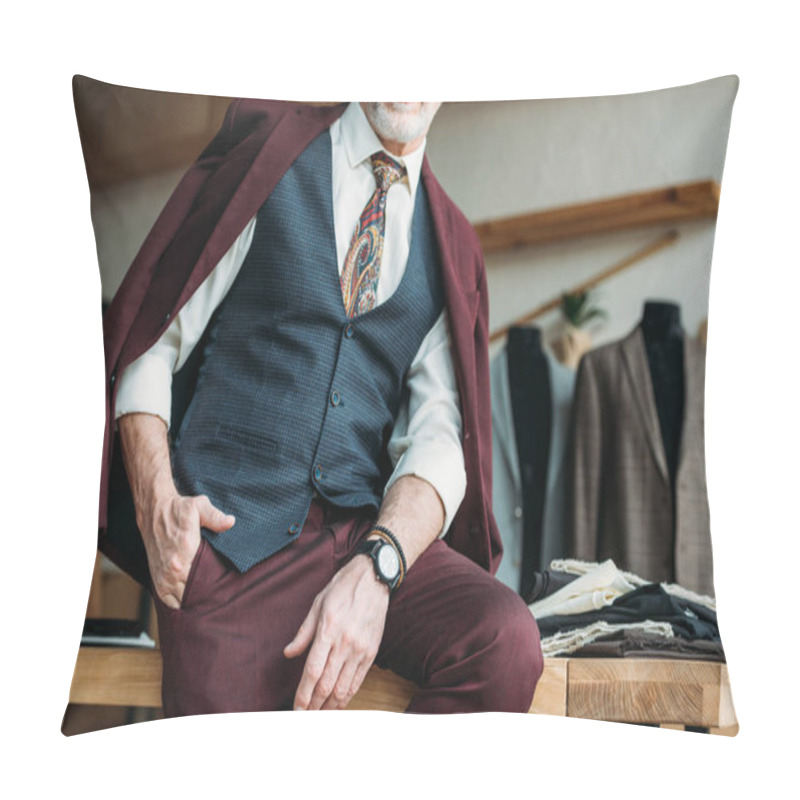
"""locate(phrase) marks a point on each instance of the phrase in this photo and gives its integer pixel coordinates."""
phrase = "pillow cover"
(596, 218)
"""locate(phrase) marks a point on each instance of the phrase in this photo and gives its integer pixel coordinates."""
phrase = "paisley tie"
(363, 262)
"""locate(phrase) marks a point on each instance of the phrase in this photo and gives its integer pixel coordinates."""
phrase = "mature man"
(337, 430)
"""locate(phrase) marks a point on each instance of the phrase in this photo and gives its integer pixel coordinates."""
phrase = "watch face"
(388, 562)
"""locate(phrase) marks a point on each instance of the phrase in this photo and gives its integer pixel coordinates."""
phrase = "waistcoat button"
(317, 472)
(294, 528)
(349, 331)
(335, 398)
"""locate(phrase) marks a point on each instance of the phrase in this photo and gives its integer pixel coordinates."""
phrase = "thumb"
(304, 635)
(211, 517)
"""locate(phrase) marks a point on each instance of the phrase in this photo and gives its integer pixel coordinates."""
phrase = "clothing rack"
(659, 244)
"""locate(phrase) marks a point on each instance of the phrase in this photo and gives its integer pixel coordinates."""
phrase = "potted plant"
(578, 310)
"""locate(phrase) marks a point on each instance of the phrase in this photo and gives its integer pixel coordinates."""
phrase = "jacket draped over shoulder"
(220, 193)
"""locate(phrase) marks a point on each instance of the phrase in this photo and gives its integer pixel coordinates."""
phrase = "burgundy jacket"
(220, 193)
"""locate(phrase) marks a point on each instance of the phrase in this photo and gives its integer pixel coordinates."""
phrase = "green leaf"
(577, 308)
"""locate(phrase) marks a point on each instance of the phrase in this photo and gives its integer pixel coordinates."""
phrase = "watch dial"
(388, 562)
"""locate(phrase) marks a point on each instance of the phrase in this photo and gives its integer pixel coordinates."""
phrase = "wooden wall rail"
(668, 205)
(669, 692)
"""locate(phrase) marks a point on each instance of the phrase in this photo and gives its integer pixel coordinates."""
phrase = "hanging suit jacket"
(507, 494)
(621, 500)
(220, 193)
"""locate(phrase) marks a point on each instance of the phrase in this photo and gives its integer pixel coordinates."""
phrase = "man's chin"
(401, 122)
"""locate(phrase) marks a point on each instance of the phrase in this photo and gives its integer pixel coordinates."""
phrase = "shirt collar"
(360, 142)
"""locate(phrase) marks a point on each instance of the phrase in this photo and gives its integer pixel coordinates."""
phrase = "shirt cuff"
(439, 464)
(145, 387)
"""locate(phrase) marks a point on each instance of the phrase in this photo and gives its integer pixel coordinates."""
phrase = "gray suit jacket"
(620, 489)
(507, 497)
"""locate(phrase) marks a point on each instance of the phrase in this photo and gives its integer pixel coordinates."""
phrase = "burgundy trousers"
(467, 640)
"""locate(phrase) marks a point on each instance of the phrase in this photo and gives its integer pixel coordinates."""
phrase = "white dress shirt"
(426, 440)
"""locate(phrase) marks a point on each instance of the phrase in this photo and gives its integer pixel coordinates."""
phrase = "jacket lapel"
(461, 300)
(223, 204)
(461, 296)
(694, 374)
(562, 381)
(635, 359)
(288, 139)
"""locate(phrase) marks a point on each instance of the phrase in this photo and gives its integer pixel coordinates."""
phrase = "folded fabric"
(688, 594)
(635, 643)
(592, 590)
(650, 602)
(546, 583)
(566, 642)
(574, 566)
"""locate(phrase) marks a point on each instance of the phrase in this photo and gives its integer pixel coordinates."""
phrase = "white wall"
(122, 215)
(505, 158)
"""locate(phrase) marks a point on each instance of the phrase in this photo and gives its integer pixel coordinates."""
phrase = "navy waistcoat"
(292, 396)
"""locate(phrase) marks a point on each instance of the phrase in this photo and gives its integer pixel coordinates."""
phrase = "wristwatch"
(385, 560)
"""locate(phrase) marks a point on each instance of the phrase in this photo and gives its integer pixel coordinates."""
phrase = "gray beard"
(398, 127)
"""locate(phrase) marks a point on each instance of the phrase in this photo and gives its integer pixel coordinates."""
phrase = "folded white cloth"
(594, 589)
(573, 566)
(565, 642)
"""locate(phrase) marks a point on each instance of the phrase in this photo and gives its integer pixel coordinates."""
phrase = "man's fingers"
(342, 691)
(360, 674)
(313, 671)
(304, 636)
(345, 626)
(328, 681)
(170, 594)
(170, 601)
(211, 517)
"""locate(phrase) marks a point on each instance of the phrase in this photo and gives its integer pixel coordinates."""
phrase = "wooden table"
(664, 692)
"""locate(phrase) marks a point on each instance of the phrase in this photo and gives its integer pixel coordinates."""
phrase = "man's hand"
(171, 534)
(169, 523)
(344, 629)
(345, 625)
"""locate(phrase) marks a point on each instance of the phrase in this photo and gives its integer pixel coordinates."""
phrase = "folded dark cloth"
(640, 644)
(688, 619)
(547, 583)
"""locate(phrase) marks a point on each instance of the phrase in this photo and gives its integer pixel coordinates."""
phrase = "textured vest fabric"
(293, 397)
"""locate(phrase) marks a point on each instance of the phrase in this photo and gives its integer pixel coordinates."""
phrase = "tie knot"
(387, 170)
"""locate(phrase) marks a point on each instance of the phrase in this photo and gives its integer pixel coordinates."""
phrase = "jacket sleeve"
(129, 298)
(483, 400)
